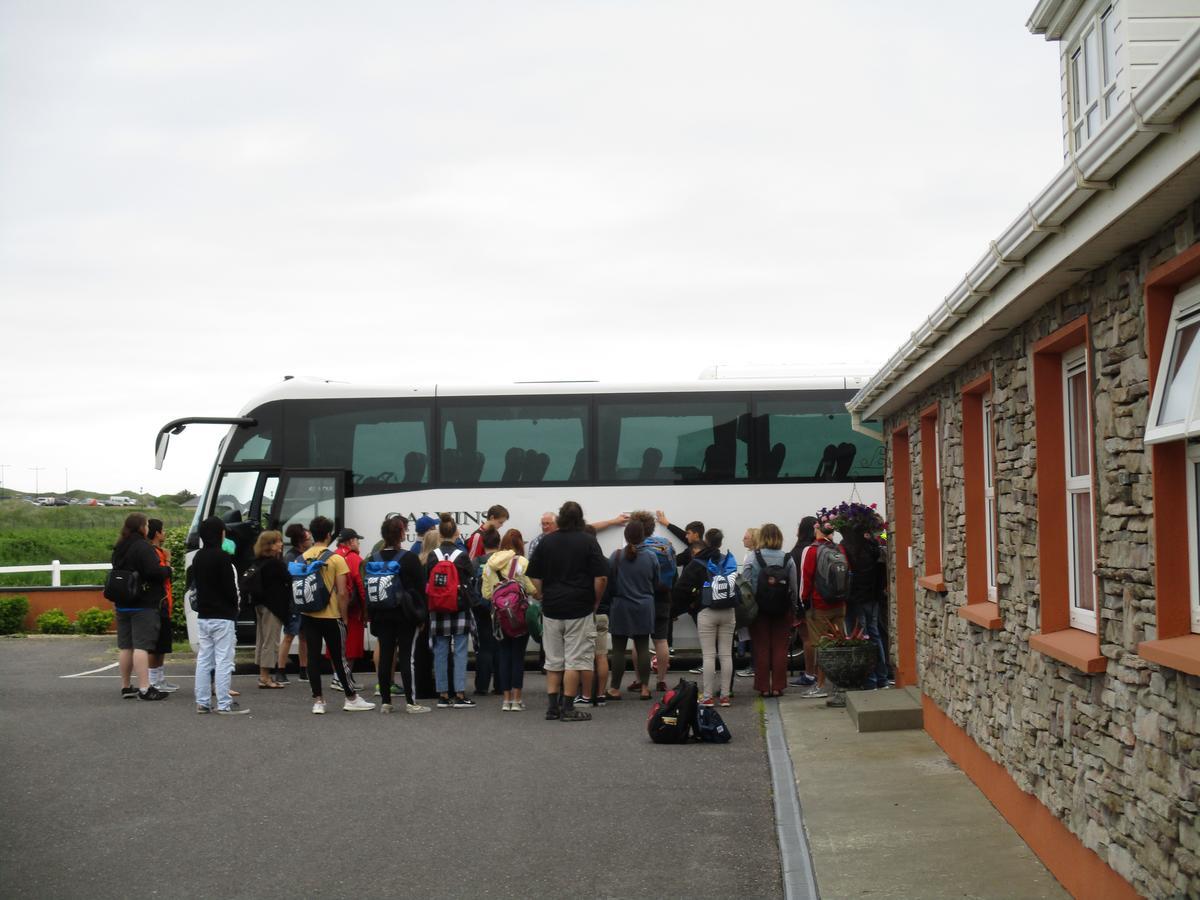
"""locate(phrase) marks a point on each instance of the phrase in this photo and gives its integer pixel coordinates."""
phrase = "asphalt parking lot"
(106, 798)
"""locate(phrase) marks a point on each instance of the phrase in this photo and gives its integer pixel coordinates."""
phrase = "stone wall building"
(1043, 476)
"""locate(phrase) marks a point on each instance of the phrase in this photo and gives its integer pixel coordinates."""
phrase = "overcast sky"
(199, 198)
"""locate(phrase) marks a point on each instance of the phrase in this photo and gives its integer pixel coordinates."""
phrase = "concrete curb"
(799, 879)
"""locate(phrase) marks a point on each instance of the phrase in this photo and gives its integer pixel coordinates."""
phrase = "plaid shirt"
(446, 624)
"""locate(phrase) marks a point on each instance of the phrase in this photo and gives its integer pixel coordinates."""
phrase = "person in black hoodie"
(390, 627)
(138, 621)
(214, 578)
(805, 535)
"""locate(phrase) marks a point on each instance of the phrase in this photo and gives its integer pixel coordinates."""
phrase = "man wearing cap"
(352, 627)
(420, 526)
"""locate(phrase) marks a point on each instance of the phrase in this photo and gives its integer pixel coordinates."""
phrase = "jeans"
(881, 673)
(441, 650)
(214, 661)
(485, 649)
(510, 668)
(716, 627)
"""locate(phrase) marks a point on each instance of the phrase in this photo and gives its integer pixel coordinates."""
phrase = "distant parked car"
(117, 500)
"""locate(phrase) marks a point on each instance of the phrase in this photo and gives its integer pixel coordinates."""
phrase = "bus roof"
(307, 388)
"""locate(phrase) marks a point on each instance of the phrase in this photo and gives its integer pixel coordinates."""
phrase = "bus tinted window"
(525, 443)
(258, 443)
(384, 446)
(813, 439)
(674, 440)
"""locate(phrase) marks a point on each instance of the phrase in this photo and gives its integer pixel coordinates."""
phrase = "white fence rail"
(56, 569)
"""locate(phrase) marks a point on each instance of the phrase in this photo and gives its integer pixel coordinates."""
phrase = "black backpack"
(250, 587)
(773, 590)
(673, 718)
(710, 727)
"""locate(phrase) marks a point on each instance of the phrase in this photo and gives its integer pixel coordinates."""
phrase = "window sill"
(933, 583)
(1181, 653)
(1072, 646)
(985, 615)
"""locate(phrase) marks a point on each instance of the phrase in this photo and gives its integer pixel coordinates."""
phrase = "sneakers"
(814, 693)
(506, 706)
(318, 707)
(706, 701)
(358, 704)
(463, 703)
(129, 693)
(385, 707)
(415, 708)
(747, 672)
(151, 693)
(234, 710)
(600, 699)
(518, 706)
(336, 685)
(203, 710)
(443, 703)
(725, 702)
(280, 677)
(804, 680)
(396, 689)
(167, 687)
(697, 671)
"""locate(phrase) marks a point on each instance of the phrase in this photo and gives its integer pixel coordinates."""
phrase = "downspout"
(857, 426)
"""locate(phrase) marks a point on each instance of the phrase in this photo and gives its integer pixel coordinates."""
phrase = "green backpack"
(533, 620)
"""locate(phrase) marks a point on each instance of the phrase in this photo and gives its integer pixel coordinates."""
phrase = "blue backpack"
(309, 593)
(666, 560)
(720, 589)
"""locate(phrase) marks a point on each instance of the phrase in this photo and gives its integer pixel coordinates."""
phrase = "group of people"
(592, 609)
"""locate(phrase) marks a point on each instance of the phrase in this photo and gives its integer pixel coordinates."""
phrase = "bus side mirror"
(160, 449)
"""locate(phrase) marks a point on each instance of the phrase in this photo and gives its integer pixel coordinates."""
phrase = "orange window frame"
(980, 608)
(931, 500)
(1057, 638)
(1175, 646)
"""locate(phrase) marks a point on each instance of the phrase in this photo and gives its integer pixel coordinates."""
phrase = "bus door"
(300, 495)
(244, 497)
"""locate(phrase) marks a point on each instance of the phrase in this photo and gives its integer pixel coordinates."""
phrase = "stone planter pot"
(846, 668)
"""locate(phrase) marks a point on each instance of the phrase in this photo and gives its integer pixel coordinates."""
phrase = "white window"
(1093, 74)
(1080, 543)
(1193, 484)
(989, 496)
(1175, 406)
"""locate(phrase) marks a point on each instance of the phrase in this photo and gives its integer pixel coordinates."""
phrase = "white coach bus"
(730, 452)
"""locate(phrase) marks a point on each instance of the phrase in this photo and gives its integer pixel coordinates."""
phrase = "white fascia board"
(1171, 167)
(1052, 17)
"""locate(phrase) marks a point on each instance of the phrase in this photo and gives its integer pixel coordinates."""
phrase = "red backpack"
(510, 604)
(443, 588)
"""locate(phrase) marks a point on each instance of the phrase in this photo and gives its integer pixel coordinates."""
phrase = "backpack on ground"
(672, 718)
(309, 593)
(773, 590)
(746, 610)
(384, 587)
(446, 593)
(720, 589)
(509, 605)
(710, 727)
(833, 572)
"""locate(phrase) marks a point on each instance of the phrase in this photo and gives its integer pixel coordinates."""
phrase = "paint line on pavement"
(799, 880)
(94, 671)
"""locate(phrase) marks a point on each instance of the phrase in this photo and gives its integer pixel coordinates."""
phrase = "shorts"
(569, 644)
(825, 622)
(601, 635)
(164, 632)
(292, 625)
(138, 630)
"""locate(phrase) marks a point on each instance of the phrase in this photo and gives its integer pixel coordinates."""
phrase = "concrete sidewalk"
(887, 814)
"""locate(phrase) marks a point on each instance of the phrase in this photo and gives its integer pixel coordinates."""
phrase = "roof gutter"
(1151, 112)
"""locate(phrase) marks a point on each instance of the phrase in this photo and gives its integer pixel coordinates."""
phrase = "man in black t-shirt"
(570, 573)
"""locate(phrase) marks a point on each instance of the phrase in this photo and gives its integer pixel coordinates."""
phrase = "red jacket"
(808, 578)
(354, 582)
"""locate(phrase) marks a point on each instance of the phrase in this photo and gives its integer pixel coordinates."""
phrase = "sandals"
(269, 686)
(646, 696)
(634, 686)
(574, 715)
(611, 696)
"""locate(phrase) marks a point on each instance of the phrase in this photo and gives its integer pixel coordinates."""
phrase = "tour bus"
(731, 452)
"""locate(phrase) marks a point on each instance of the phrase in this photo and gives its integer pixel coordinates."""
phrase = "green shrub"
(54, 621)
(94, 620)
(12, 613)
(175, 541)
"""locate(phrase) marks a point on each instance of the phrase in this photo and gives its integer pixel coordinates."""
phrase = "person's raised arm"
(621, 519)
